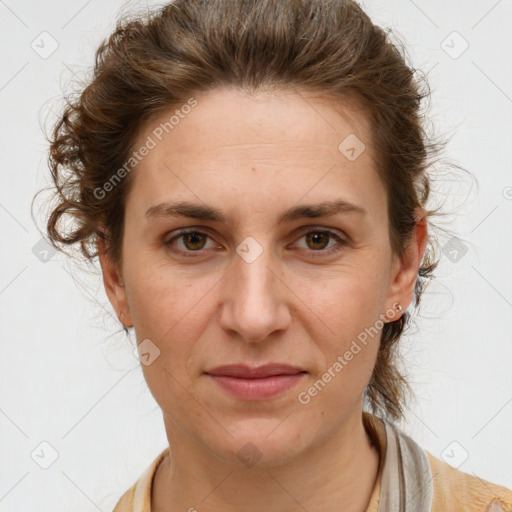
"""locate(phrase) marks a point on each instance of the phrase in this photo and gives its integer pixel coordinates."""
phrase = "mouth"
(256, 384)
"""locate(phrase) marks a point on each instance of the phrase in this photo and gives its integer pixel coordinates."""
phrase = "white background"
(68, 376)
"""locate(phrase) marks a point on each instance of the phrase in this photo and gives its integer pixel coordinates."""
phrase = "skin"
(252, 157)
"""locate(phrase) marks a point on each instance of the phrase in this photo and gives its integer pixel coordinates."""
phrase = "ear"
(405, 268)
(113, 282)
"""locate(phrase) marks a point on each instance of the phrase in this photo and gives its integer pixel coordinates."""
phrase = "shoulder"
(125, 503)
(138, 497)
(459, 491)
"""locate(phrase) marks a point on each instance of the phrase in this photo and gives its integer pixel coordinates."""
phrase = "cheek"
(346, 340)
(172, 310)
(172, 313)
(347, 302)
(162, 299)
(348, 320)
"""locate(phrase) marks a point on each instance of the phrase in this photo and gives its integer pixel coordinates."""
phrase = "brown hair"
(155, 61)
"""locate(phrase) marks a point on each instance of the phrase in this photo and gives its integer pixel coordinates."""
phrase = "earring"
(398, 307)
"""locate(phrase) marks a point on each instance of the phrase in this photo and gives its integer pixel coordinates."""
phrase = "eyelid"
(311, 227)
(342, 239)
(205, 230)
(176, 234)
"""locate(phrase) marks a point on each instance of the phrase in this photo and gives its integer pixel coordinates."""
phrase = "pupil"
(316, 239)
(194, 238)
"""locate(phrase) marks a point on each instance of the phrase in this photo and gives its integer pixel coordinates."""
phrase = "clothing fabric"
(409, 479)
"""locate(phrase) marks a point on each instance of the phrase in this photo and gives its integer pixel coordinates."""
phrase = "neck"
(338, 474)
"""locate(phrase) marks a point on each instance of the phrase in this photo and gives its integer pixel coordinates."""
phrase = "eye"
(192, 241)
(318, 239)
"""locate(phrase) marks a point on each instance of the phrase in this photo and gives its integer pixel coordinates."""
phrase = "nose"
(254, 298)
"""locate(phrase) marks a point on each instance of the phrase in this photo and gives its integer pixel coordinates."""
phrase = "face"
(258, 278)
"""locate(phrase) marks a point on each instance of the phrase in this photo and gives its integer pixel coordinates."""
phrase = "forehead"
(266, 146)
(232, 120)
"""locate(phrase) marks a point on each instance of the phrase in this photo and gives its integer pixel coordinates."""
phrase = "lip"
(260, 383)
(246, 372)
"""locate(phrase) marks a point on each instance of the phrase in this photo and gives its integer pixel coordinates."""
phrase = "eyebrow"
(205, 212)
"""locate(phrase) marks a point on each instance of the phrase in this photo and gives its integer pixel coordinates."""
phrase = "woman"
(253, 177)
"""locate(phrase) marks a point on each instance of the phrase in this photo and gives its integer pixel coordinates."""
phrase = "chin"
(260, 443)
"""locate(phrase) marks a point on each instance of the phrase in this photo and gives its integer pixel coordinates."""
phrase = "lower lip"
(257, 389)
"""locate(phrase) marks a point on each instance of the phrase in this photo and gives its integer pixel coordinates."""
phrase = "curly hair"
(156, 61)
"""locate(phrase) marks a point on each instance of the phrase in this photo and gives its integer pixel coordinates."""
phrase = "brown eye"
(194, 241)
(190, 243)
(318, 239)
(320, 243)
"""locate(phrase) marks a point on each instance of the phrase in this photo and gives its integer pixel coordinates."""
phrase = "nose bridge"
(252, 302)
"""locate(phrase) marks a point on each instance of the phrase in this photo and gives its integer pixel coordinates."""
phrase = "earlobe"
(114, 284)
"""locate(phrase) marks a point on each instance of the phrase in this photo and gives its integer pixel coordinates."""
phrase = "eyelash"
(323, 253)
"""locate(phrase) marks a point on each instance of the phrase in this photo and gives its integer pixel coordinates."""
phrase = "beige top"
(454, 490)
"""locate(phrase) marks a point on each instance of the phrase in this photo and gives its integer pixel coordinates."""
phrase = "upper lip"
(244, 371)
